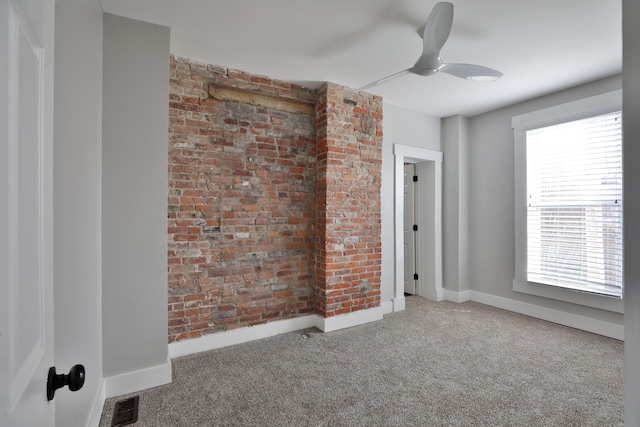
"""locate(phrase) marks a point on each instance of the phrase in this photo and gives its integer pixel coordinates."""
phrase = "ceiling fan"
(436, 33)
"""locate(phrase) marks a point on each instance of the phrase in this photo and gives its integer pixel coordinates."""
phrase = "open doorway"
(426, 248)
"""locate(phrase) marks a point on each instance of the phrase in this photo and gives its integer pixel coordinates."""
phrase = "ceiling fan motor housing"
(427, 65)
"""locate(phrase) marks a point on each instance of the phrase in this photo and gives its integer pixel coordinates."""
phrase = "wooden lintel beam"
(226, 93)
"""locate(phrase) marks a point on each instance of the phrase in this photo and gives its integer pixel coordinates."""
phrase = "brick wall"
(241, 205)
(274, 200)
(348, 245)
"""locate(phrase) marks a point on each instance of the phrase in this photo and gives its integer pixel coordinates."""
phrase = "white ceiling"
(541, 46)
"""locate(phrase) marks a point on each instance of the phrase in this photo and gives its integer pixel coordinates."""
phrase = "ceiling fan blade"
(436, 33)
(471, 72)
(437, 29)
(384, 79)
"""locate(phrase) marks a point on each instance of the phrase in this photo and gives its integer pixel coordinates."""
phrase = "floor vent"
(125, 412)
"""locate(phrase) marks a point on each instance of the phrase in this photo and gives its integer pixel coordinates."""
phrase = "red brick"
(339, 139)
(215, 194)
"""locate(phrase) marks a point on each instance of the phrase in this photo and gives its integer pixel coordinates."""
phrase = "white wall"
(406, 127)
(491, 202)
(631, 152)
(77, 206)
(134, 163)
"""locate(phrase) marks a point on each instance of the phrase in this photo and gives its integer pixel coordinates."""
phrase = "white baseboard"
(348, 320)
(239, 336)
(399, 304)
(584, 323)
(434, 294)
(252, 333)
(387, 307)
(455, 296)
(131, 382)
(97, 406)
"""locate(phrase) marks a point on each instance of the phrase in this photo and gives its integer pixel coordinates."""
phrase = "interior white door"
(409, 234)
(26, 210)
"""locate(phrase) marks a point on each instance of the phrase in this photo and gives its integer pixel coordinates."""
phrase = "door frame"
(406, 154)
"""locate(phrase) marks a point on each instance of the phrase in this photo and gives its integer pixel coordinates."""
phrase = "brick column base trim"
(334, 323)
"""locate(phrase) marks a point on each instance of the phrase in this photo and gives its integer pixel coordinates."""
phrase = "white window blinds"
(574, 205)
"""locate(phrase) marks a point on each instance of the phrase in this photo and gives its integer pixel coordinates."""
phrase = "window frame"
(576, 110)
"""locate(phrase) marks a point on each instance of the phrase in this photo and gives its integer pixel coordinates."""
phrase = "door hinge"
(415, 227)
(415, 276)
(415, 178)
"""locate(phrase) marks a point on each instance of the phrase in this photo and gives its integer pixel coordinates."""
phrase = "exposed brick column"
(349, 162)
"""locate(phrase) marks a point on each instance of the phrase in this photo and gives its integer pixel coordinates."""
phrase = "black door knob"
(75, 380)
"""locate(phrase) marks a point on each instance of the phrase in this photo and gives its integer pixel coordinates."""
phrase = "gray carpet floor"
(434, 364)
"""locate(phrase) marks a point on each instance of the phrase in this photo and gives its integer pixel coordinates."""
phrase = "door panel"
(409, 234)
(26, 191)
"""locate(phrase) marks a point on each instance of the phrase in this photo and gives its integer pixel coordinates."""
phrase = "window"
(574, 207)
(569, 198)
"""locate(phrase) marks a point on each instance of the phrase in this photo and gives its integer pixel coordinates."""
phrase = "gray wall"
(455, 206)
(631, 147)
(77, 203)
(406, 127)
(134, 190)
(491, 200)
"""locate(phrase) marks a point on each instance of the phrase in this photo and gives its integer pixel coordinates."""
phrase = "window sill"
(601, 302)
